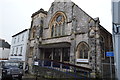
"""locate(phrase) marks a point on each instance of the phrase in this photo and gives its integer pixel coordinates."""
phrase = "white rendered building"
(4, 50)
(19, 46)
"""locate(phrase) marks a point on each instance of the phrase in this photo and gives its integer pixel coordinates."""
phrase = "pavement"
(32, 77)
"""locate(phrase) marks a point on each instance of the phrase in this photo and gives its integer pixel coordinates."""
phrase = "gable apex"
(62, 1)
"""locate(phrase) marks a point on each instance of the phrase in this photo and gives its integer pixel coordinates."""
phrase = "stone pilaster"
(72, 49)
(98, 49)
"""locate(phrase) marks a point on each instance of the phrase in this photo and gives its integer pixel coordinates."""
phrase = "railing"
(69, 69)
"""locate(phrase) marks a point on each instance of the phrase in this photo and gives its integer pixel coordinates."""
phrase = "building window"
(56, 54)
(21, 49)
(33, 33)
(14, 40)
(12, 51)
(16, 52)
(65, 54)
(48, 54)
(41, 31)
(102, 44)
(83, 50)
(23, 37)
(18, 38)
(41, 21)
(31, 51)
(57, 24)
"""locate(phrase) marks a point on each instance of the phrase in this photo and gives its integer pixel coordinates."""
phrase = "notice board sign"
(36, 63)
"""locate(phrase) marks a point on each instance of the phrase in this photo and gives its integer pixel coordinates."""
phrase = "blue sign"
(109, 54)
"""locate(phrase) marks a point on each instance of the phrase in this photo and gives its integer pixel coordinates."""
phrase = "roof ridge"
(62, 1)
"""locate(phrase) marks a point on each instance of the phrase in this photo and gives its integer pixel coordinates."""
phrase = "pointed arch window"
(102, 44)
(33, 33)
(57, 24)
(83, 51)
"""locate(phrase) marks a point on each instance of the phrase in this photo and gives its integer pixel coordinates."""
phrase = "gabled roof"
(19, 32)
(4, 44)
(62, 1)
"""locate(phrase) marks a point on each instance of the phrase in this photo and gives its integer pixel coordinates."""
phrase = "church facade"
(68, 34)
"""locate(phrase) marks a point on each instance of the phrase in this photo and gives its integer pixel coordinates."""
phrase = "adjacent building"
(19, 46)
(68, 34)
(4, 50)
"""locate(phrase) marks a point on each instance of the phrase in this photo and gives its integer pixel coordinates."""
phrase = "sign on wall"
(82, 60)
(36, 63)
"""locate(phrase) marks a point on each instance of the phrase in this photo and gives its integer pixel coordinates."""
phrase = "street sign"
(109, 54)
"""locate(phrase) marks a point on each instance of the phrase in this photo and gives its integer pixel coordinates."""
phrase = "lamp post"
(116, 35)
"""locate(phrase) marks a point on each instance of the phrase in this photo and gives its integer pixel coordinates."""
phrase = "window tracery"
(57, 24)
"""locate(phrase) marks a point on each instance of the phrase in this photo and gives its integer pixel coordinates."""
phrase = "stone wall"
(79, 27)
(65, 7)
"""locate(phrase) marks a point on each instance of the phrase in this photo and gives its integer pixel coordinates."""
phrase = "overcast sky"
(15, 15)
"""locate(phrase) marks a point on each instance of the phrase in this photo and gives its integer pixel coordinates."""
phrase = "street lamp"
(116, 35)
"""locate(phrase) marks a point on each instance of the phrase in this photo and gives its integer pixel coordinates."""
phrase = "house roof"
(62, 1)
(19, 32)
(4, 44)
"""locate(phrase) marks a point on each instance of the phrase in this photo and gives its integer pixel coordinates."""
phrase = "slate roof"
(19, 32)
(4, 44)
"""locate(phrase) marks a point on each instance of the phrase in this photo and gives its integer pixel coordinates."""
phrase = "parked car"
(12, 69)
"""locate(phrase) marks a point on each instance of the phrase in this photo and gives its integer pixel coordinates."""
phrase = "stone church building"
(67, 34)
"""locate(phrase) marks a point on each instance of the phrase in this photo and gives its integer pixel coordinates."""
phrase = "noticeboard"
(36, 63)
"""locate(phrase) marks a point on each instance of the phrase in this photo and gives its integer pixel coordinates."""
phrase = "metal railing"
(69, 69)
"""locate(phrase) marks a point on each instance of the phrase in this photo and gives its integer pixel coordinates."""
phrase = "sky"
(15, 15)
